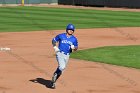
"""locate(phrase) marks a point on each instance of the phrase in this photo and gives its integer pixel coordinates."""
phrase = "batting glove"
(56, 49)
(72, 47)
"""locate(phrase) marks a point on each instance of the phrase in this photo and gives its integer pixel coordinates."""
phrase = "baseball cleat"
(53, 85)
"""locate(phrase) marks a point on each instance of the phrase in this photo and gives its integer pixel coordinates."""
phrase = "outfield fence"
(103, 3)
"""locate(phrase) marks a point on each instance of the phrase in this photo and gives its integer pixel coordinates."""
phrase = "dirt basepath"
(32, 57)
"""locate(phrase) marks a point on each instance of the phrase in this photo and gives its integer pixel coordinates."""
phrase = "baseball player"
(67, 43)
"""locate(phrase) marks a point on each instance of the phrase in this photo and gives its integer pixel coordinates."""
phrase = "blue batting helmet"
(70, 27)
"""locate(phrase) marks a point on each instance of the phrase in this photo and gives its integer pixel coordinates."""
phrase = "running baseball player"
(67, 43)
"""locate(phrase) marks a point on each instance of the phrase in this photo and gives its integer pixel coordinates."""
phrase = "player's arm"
(75, 48)
(54, 41)
(75, 45)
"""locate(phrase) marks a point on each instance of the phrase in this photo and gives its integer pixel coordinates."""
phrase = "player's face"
(70, 32)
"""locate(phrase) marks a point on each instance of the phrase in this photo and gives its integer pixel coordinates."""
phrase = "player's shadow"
(42, 81)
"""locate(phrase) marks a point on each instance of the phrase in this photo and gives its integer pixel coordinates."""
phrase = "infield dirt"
(33, 58)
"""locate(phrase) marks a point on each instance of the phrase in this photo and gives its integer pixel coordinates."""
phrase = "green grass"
(44, 18)
(128, 56)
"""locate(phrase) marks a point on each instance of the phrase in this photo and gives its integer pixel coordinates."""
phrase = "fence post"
(22, 2)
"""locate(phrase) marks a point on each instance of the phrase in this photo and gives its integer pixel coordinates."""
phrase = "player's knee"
(62, 68)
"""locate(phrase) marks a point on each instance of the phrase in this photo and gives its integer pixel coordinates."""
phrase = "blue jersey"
(65, 42)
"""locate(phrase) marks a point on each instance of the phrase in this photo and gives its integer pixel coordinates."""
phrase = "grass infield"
(43, 18)
(128, 56)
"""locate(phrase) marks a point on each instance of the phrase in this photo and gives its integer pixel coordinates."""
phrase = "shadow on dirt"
(42, 81)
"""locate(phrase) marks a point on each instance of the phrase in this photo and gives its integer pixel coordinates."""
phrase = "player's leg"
(56, 75)
(61, 66)
(62, 63)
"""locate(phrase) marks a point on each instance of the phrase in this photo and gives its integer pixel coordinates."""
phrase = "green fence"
(28, 1)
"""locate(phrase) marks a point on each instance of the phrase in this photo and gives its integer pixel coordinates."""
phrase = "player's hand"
(56, 49)
(72, 47)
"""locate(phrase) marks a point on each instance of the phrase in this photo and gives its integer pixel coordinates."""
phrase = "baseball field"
(107, 61)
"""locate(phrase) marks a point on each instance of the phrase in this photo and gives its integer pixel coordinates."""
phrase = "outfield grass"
(44, 18)
(128, 56)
